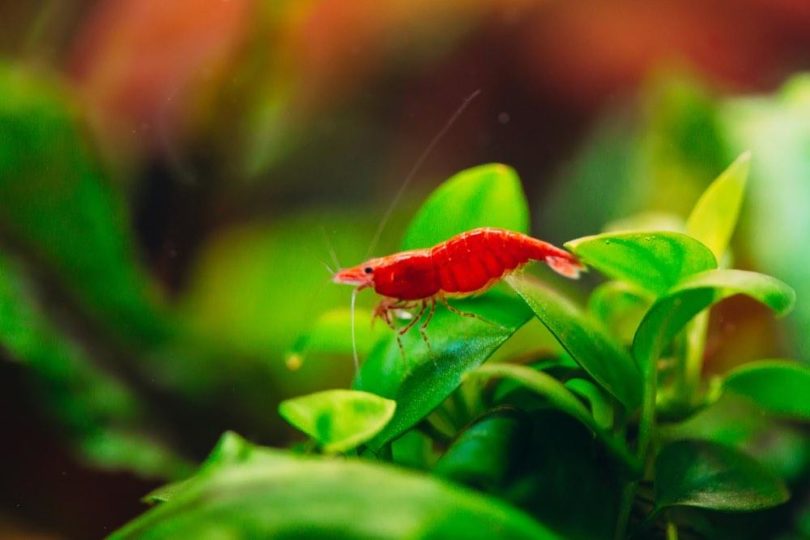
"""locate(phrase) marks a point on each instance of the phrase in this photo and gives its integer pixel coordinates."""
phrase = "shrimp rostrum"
(466, 264)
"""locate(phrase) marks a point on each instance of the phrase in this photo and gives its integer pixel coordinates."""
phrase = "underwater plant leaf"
(338, 420)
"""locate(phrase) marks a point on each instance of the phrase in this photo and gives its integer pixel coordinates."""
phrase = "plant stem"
(693, 358)
(647, 420)
(672, 531)
(625, 508)
(645, 434)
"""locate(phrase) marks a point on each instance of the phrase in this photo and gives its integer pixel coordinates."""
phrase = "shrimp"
(466, 264)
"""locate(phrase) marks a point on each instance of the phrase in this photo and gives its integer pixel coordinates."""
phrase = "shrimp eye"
(368, 269)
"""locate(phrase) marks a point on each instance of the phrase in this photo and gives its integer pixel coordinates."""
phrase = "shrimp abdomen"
(472, 261)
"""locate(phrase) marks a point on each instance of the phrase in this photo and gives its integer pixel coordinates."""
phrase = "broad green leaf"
(780, 387)
(56, 203)
(104, 419)
(671, 312)
(738, 422)
(619, 306)
(483, 196)
(420, 377)
(561, 398)
(714, 217)
(279, 495)
(487, 454)
(593, 349)
(709, 475)
(230, 450)
(655, 261)
(338, 420)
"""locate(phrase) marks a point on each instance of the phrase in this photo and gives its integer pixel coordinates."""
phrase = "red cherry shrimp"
(466, 264)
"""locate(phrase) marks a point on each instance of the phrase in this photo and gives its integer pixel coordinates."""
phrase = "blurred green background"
(174, 177)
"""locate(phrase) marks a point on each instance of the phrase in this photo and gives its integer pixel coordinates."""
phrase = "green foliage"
(64, 240)
(484, 196)
(605, 408)
(653, 261)
(420, 377)
(338, 420)
(105, 420)
(599, 402)
(709, 475)
(57, 204)
(263, 493)
(714, 217)
(620, 307)
(487, 454)
(597, 352)
(569, 442)
(778, 387)
(671, 312)
(563, 399)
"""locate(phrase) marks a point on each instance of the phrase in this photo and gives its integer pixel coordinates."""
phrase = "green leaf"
(619, 306)
(484, 196)
(671, 312)
(277, 495)
(231, 449)
(56, 203)
(593, 349)
(488, 453)
(546, 385)
(419, 378)
(600, 403)
(561, 398)
(780, 387)
(338, 420)
(709, 475)
(655, 261)
(736, 421)
(714, 217)
(413, 450)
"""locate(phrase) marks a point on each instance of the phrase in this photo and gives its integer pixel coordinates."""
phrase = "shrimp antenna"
(330, 247)
(354, 334)
(419, 162)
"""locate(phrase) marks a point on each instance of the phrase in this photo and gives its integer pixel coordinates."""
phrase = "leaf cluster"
(611, 431)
